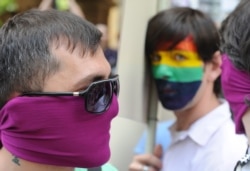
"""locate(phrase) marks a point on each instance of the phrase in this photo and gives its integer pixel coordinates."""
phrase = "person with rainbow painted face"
(182, 52)
(58, 96)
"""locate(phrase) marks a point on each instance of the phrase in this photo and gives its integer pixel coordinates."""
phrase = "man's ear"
(14, 94)
(215, 66)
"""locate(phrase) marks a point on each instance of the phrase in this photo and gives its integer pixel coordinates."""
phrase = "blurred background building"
(96, 11)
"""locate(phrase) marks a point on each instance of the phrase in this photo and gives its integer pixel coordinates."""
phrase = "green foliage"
(8, 6)
(62, 5)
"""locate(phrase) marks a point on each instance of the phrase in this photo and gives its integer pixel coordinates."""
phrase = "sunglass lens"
(99, 97)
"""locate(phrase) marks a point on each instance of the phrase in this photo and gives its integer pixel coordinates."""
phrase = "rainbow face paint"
(178, 73)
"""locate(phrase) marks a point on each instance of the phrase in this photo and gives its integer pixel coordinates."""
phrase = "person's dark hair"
(26, 41)
(235, 36)
(175, 24)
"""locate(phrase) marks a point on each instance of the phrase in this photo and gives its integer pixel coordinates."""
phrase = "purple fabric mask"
(235, 86)
(56, 131)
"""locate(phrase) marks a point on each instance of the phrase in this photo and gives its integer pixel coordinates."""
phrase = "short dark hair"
(235, 36)
(26, 40)
(175, 24)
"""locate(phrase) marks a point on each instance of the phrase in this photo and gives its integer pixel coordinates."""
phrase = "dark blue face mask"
(175, 96)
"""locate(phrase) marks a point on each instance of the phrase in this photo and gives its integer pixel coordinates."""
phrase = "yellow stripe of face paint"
(177, 58)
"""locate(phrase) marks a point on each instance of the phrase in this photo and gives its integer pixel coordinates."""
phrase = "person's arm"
(45, 4)
(76, 9)
(153, 161)
(246, 121)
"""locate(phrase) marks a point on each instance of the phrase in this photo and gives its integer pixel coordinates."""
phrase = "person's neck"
(185, 118)
(13, 163)
(246, 121)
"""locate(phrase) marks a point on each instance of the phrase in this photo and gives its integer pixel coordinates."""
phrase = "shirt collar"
(202, 129)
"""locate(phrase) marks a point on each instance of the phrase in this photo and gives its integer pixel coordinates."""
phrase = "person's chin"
(175, 105)
(184, 107)
(103, 154)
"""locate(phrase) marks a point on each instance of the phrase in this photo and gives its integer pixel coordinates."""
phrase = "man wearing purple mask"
(57, 96)
(235, 45)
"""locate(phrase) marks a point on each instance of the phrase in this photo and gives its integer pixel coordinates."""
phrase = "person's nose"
(163, 72)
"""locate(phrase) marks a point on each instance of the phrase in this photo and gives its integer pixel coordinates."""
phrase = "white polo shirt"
(210, 144)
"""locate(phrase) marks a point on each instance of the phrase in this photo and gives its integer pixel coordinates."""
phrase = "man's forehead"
(186, 44)
(70, 47)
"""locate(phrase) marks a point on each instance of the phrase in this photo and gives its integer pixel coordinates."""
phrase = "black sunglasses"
(98, 95)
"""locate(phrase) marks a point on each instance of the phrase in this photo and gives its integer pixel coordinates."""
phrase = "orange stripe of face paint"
(186, 45)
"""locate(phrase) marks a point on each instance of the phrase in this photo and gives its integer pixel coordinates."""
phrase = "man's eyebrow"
(85, 82)
(112, 75)
(98, 78)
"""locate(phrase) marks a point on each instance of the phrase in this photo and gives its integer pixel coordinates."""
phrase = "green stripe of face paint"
(178, 74)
